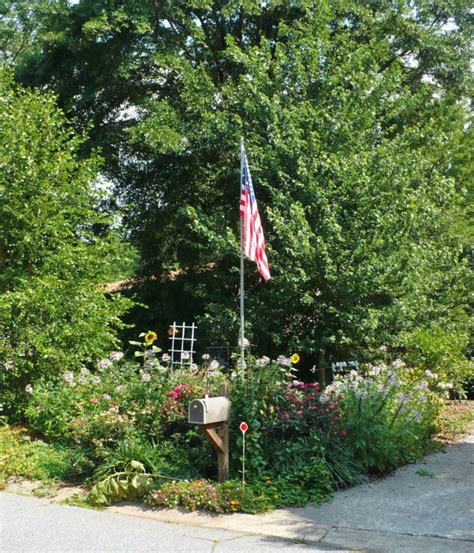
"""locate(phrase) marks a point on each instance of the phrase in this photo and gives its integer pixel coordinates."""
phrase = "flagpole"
(242, 315)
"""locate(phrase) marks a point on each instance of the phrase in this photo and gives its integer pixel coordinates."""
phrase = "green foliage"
(54, 315)
(131, 482)
(295, 454)
(225, 497)
(443, 352)
(388, 414)
(424, 472)
(357, 130)
(130, 421)
(20, 455)
(18, 24)
(122, 408)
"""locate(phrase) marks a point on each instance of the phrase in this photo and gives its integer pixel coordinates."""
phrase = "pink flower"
(277, 408)
(178, 391)
(94, 400)
(213, 494)
(343, 433)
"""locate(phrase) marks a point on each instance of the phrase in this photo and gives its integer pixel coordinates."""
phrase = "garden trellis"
(182, 337)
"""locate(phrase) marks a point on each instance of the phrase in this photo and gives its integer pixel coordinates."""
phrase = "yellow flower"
(295, 358)
(150, 337)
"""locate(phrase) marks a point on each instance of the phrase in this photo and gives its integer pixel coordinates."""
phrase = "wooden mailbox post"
(211, 414)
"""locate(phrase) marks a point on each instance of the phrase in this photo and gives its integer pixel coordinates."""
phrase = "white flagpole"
(242, 316)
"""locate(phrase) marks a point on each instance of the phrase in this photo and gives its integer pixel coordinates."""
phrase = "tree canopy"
(355, 116)
(54, 315)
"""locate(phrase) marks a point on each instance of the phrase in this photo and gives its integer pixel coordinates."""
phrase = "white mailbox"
(209, 410)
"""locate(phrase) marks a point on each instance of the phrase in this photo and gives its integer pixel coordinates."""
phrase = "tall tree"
(54, 314)
(352, 112)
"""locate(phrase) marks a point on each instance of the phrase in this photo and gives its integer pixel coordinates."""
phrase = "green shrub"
(388, 413)
(443, 352)
(22, 456)
(54, 313)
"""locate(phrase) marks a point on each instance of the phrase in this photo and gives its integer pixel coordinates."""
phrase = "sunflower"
(295, 358)
(150, 337)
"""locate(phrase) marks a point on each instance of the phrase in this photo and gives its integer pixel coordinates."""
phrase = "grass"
(454, 420)
(424, 472)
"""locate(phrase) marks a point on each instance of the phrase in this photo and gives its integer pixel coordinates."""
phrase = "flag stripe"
(253, 239)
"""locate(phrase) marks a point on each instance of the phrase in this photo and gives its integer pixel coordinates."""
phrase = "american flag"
(252, 235)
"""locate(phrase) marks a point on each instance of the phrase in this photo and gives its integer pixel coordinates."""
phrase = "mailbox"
(209, 410)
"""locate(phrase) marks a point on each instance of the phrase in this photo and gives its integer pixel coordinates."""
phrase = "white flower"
(29, 389)
(106, 396)
(383, 348)
(429, 374)
(213, 365)
(69, 377)
(324, 398)
(165, 358)
(185, 355)
(104, 363)
(84, 371)
(95, 379)
(285, 361)
(423, 385)
(8, 366)
(115, 355)
(398, 363)
(146, 377)
(206, 357)
(194, 367)
(375, 371)
(263, 361)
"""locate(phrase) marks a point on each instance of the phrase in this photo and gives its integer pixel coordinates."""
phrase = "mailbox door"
(196, 413)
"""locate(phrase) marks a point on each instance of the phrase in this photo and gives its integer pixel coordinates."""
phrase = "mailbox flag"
(253, 239)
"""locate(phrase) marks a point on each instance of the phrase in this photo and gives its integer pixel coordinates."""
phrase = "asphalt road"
(30, 525)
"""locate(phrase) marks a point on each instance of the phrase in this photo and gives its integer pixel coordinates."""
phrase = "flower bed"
(129, 420)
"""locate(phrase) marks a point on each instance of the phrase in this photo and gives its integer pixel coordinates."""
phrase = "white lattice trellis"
(182, 338)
